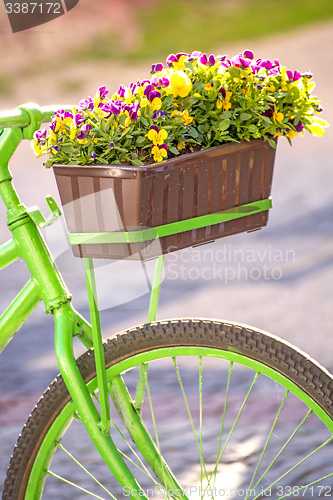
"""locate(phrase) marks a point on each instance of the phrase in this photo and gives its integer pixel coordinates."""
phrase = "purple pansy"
(164, 81)
(274, 71)
(171, 59)
(152, 95)
(225, 62)
(299, 127)
(248, 54)
(157, 67)
(135, 110)
(87, 104)
(293, 77)
(223, 92)
(64, 114)
(132, 110)
(84, 131)
(203, 59)
(148, 88)
(53, 126)
(158, 114)
(102, 91)
(111, 144)
(78, 119)
(122, 91)
(265, 63)
(40, 135)
(154, 127)
(155, 81)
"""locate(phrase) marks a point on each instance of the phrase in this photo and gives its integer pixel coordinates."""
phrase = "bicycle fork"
(98, 425)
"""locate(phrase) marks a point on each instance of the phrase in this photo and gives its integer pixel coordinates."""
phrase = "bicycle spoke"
(200, 417)
(283, 447)
(298, 464)
(61, 447)
(235, 423)
(143, 469)
(266, 443)
(191, 420)
(52, 474)
(155, 430)
(223, 420)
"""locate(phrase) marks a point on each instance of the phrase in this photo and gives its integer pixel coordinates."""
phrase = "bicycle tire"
(234, 344)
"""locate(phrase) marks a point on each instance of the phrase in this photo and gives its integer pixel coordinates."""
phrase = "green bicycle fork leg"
(141, 437)
(64, 328)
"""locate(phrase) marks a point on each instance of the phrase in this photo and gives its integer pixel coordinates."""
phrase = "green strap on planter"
(142, 235)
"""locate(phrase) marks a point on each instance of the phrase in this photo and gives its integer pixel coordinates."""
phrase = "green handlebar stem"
(22, 116)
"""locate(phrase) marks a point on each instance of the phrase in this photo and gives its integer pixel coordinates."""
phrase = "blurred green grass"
(173, 26)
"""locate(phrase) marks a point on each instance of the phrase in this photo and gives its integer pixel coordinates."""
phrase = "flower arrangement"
(193, 102)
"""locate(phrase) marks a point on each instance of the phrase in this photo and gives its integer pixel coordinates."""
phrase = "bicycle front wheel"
(235, 413)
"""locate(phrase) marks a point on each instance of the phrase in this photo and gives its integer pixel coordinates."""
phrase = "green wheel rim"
(58, 428)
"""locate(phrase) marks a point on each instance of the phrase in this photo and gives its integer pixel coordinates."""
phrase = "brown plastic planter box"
(184, 187)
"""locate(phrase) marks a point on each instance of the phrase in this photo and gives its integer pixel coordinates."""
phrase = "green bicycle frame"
(46, 284)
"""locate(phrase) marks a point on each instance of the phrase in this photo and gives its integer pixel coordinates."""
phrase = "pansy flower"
(159, 152)
(157, 136)
(180, 84)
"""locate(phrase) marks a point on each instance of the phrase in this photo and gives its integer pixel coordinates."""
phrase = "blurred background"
(286, 288)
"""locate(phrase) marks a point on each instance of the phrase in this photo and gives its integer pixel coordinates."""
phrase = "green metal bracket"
(35, 116)
(155, 291)
(39, 218)
(142, 235)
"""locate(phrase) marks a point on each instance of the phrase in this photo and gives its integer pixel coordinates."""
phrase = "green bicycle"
(183, 408)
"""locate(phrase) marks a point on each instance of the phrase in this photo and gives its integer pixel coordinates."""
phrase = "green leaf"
(252, 129)
(245, 116)
(140, 140)
(136, 162)
(226, 115)
(234, 72)
(272, 143)
(174, 150)
(266, 119)
(224, 125)
(144, 121)
(103, 126)
(192, 132)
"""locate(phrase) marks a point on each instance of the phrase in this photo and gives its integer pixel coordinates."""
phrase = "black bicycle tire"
(279, 355)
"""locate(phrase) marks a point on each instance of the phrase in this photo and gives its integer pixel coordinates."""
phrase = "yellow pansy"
(180, 84)
(277, 116)
(37, 147)
(72, 133)
(208, 87)
(157, 136)
(156, 104)
(226, 102)
(159, 153)
(186, 118)
(179, 65)
(291, 134)
(52, 135)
